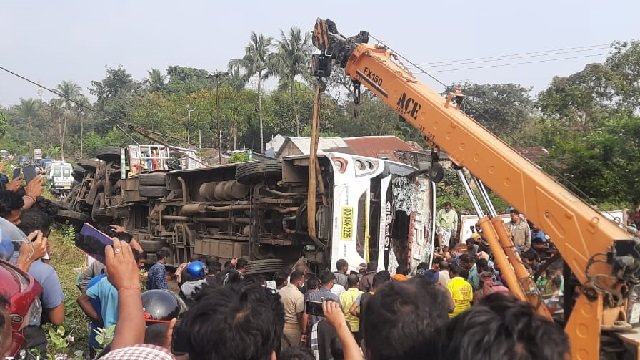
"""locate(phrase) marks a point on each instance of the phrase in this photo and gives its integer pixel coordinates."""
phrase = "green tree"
(340, 85)
(502, 108)
(370, 117)
(240, 118)
(66, 102)
(95, 142)
(3, 124)
(167, 114)
(280, 105)
(155, 81)
(29, 125)
(590, 125)
(254, 62)
(290, 61)
(580, 101)
(450, 189)
(28, 111)
(164, 113)
(236, 78)
(623, 64)
(187, 80)
(115, 96)
(83, 113)
(602, 164)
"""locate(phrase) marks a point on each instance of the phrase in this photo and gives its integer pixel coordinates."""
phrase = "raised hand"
(122, 269)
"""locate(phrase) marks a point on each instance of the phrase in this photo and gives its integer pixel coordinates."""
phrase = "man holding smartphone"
(52, 297)
(30, 192)
(327, 279)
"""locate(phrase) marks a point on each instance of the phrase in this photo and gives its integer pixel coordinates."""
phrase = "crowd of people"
(455, 308)
(237, 316)
(25, 225)
(471, 260)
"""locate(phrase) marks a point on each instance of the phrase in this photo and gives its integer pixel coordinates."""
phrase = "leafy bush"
(68, 262)
(451, 190)
(239, 157)
(104, 337)
(68, 233)
(94, 142)
(59, 344)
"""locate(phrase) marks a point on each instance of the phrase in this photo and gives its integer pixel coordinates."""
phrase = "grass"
(68, 262)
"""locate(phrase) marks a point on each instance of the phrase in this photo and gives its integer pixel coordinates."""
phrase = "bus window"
(57, 171)
(66, 172)
(400, 236)
(375, 212)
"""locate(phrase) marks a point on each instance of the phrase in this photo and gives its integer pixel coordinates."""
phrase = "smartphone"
(122, 236)
(16, 172)
(314, 308)
(29, 173)
(93, 242)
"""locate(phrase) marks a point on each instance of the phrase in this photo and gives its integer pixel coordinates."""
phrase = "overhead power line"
(530, 54)
(59, 94)
(471, 104)
(404, 58)
(121, 125)
(519, 63)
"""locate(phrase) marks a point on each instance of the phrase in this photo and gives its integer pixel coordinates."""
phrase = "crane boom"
(603, 257)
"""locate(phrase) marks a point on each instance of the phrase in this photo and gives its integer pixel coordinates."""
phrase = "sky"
(52, 41)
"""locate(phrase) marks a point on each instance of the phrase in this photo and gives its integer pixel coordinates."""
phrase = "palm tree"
(85, 104)
(237, 78)
(3, 123)
(27, 111)
(68, 95)
(255, 63)
(291, 60)
(156, 81)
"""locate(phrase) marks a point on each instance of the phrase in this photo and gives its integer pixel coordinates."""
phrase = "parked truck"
(59, 176)
(371, 210)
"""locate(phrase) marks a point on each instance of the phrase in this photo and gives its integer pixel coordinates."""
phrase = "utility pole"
(234, 133)
(217, 76)
(189, 125)
(81, 115)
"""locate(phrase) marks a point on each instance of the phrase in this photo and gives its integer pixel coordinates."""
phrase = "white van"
(59, 176)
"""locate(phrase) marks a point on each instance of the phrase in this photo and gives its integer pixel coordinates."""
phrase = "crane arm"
(603, 257)
(578, 231)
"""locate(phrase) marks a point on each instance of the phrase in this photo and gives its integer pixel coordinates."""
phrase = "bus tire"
(257, 172)
(109, 154)
(151, 246)
(97, 210)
